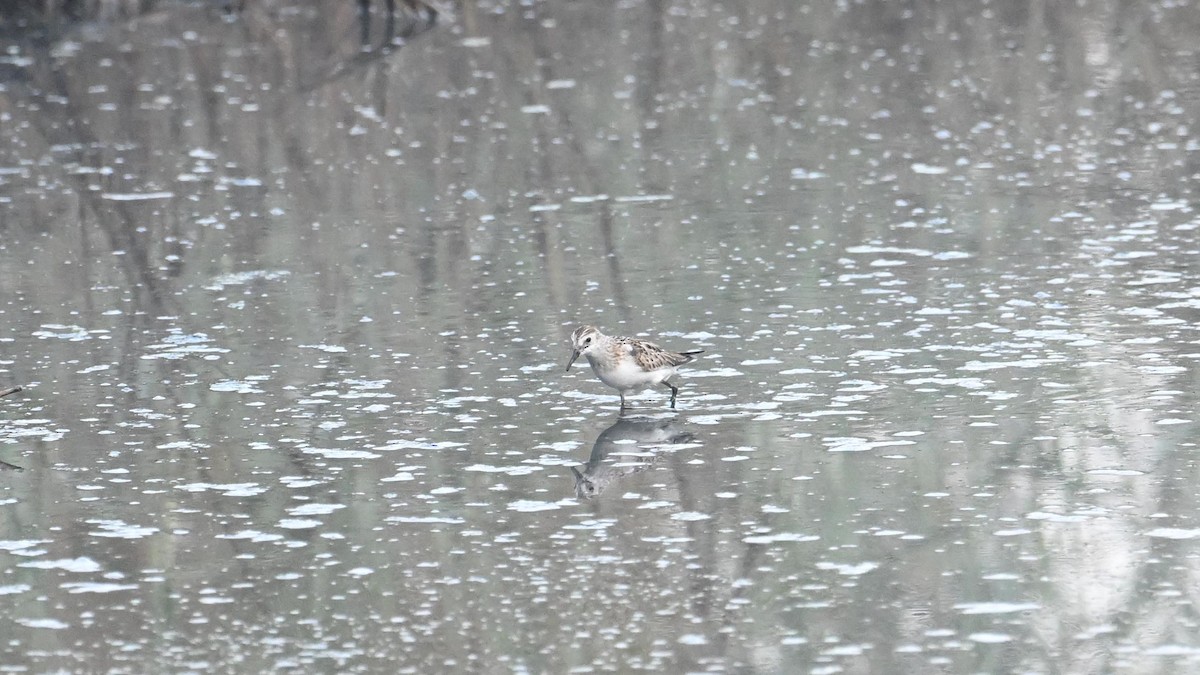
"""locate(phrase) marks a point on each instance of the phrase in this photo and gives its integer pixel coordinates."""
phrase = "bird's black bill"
(574, 355)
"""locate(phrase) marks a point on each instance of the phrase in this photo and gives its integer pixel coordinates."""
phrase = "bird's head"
(583, 341)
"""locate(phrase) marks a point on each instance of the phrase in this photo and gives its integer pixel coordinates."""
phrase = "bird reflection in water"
(632, 445)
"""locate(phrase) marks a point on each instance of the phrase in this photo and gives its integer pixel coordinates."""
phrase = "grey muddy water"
(289, 292)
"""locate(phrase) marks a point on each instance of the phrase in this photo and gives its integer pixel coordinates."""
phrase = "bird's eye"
(587, 341)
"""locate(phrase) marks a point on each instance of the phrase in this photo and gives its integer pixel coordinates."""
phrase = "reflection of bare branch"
(6, 392)
(419, 17)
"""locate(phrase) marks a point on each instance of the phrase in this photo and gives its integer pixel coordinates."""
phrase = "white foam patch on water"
(928, 169)
(30, 428)
(314, 509)
(335, 453)
(179, 345)
(715, 372)
(239, 278)
(298, 482)
(235, 386)
(13, 589)
(1001, 576)
(97, 587)
(964, 382)
(561, 84)
(839, 412)
(81, 564)
(135, 196)
(800, 173)
(1057, 517)
(1162, 370)
(180, 445)
(533, 505)
(592, 525)
(1173, 533)
(644, 198)
(511, 470)
(846, 650)
(426, 520)
(1169, 205)
(251, 535)
(229, 489)
(120, 529)
(919, 252)
(990, 638)
(13, 545)
(848, 569)
(779, 537)
(996, 607)
(689, 516)
(299, 523)
(1115, 472)
(246, 492)
(856, 444)
(60, 332)
(419, 445)
(459, 400)
(1172, 650)
(1150, 278)
(560, 446)
(331, 349)
(49, 624)
(856, 386)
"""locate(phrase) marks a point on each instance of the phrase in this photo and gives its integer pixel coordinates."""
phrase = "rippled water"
(289, 300)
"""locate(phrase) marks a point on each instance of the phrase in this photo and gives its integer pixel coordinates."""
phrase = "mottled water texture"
(289, 294)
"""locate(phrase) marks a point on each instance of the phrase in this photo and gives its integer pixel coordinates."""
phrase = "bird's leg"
(674, 392)
(623, 405)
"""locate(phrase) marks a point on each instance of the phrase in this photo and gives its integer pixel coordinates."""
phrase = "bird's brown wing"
(652, 357)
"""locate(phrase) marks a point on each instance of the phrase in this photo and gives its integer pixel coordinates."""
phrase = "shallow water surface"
(289, 293)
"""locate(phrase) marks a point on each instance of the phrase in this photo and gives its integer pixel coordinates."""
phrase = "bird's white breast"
(626, 374)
